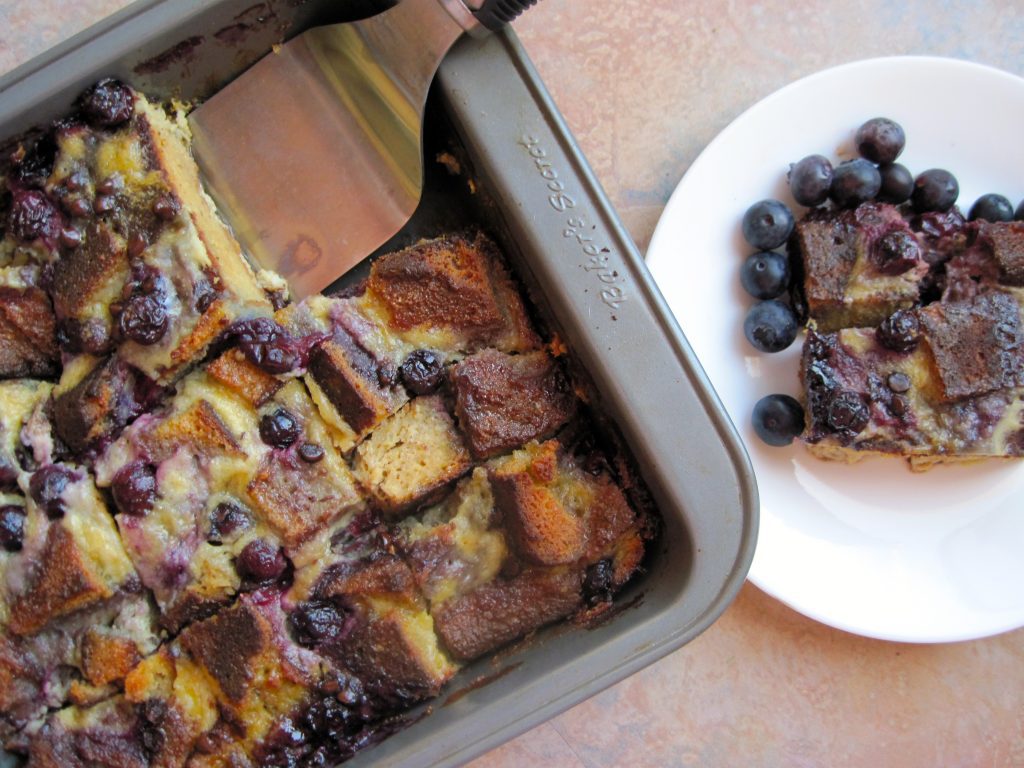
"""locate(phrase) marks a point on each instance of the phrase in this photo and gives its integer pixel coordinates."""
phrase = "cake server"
(313, 155)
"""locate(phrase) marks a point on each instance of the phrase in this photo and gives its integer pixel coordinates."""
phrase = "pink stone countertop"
(645, 86)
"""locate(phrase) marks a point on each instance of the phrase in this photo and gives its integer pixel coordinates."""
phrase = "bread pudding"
(914, 346)
(237, 530)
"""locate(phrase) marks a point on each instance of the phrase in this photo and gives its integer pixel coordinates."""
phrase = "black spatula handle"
(494, 14)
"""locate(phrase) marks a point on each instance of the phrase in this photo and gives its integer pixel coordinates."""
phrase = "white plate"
(871, 548)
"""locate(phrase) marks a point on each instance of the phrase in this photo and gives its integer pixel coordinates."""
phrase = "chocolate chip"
(70, 237)
(203, 296)
(899, 405)
(104, 204)
(76, 181)
(110, 185)
(311, 452)
(137, 243)
(898, 381)
(78, 206)
(166, 207)
(847, 413)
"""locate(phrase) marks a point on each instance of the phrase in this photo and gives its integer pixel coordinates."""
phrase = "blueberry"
(12, 527)
(107, 104)
(895, 252)
(897, 183)
(33, 215)
(900, 331)
(144, 319)
(854, 182)
(599, 582)
(810, 180)
(847, 413)
(1018, 214)
(777, 419)
(265, 344)
(134, 488)
(770, 326)
(767, 224)
(934, 190)
(320, 621)
(227, 519)
(765, 275)
(203, 295)
(261, 561)
(422, 371)
(8, 475)
(880, 140)
(48, 485)
(35, 167)
(991, 207)
(279, 428)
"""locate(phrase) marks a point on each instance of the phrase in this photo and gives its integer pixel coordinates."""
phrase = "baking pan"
(524, 178)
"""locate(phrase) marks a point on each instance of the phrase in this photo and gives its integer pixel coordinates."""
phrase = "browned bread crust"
(439, 282)
(197, 428)
(503, 401)
(28, 334)
(226, 645)
(411, 457)
(107, 658)
(234, 371)
(348, 376)
(381, 652)
(65, 582)
(497, 613)
(101, 262)
(543, 531)
(841, 284)
(296, 498)
(1005, 240)
(97, 407)
(453, 283)
(977, 345)
(385, 576)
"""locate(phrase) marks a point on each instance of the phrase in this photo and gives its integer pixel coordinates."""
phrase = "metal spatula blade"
(314, 154)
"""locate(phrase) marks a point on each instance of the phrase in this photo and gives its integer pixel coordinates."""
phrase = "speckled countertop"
(645, 86)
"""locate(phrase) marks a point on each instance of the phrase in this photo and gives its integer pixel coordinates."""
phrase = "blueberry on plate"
(770, 326)
(810, 180)
(880, 140)
(767, 224)
(854, 182)
(934, 190)
(897, 183)
(991, 207)
(765, 275)
(777, 419)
